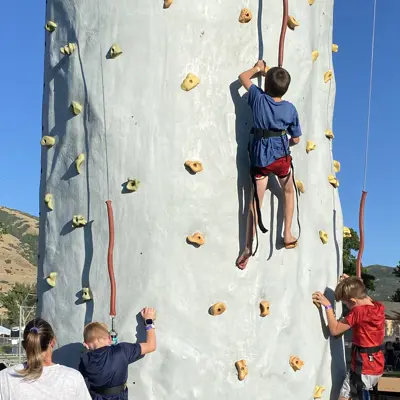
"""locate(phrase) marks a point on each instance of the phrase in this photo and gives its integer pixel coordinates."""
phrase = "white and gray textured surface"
(152, 128)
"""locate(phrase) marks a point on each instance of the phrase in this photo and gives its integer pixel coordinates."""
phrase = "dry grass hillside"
(18, 247)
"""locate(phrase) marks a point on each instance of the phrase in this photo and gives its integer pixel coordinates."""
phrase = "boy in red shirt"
(367, 320)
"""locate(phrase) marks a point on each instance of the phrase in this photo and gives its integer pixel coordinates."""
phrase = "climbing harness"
(112, 391)
(357, 390)
(364, 192)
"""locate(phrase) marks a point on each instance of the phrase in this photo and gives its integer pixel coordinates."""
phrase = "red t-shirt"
(368, 325)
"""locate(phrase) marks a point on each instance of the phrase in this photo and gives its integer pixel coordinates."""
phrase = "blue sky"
(21, 74)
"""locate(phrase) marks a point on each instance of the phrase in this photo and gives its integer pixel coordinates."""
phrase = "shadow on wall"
(69, 355)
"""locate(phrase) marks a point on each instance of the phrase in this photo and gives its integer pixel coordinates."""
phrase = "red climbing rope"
(361, 227)
(283, 32)
(110, 261)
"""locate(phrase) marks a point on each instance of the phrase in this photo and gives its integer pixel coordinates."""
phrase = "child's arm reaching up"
(150, 344)
(246, 76)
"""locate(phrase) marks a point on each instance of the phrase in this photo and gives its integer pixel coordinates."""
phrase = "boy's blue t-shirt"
(275, 116)
(108, 367)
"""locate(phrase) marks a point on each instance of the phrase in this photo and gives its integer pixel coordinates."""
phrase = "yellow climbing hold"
(168, 3)
(86, 294)
(50, 26)
(323, 236)
(329, 134)
(300, 186)
(79, 161)
(245, 16)
(48, 199)
(217, 309)
(68, 49)
(310, 146)
(335, 48)
(190, 82)
(318, 392)
(115, 50)
(78, 221)
(48, 141)
(336, 166)
(76, 108)
(241, 367)
(292, 22)
(328, 76)
(264, 308)
(314, 55)
(296, 363)
(51, 279)
(333, 181)
(194, 166)
(311, 2)
(132, 185)
(197, 239)
(346, 232)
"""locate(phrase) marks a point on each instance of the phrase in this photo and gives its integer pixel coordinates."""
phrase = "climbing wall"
(124, 121)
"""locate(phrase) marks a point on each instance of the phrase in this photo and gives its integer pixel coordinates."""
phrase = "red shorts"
(280, 168)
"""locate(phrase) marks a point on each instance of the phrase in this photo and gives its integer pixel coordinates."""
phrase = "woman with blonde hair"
(39, 378)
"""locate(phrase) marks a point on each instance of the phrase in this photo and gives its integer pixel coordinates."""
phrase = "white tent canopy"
(5, 331)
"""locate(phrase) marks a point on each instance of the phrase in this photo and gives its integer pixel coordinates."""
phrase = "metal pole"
(19, 334)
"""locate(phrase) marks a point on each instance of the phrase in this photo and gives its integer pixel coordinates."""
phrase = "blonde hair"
(37, 337)
(350, 288)
(95, 330)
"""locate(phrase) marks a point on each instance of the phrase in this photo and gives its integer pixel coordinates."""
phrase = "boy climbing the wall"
(273, 119)
(367, 320)
(105, 366)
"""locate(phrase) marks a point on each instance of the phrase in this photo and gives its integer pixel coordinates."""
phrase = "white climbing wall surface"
(127, 123)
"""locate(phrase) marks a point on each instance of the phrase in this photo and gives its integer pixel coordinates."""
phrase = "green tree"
(396, 295)
(20, 295)
(350, 246)
(3, 229)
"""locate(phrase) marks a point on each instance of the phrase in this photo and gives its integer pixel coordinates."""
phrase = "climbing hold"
(217, 309)
(132, 185)
(242, 370)
(323, 236)
(336, 166)
(68, 48)
(190, 82)
(296, 363)
(264, 308)
(167, 3)
(333, 181)
(197, 239)
(328, 76)
(335, 48)
(245, 16)
(86, 294)
(310, 146)
(76, 108)
(48, 199)
(50, 26)
(329, 134)
(311, 2)
(79, 161)
(314, 55)
(115, 51)
(194, 166)
(292, 23)
(318, 392)
(78, 221)
(48, 141)
(51, 279)
(300, 186)
(346, 232)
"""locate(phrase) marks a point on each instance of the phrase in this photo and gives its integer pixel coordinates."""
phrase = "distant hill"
(18, 248)
(385, 284)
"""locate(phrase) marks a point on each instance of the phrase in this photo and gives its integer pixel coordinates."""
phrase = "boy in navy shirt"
(273, 119)
(105, 366)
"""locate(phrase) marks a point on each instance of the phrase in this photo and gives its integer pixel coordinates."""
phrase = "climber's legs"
(288, 207)
(252, 220)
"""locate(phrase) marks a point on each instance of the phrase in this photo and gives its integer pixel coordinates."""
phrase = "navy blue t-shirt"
(108, 367)
(275, 116)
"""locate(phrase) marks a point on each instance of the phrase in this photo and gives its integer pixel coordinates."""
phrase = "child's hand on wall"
(148, 313)
(318, 297)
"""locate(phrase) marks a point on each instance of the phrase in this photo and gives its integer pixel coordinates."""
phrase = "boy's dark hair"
(350, 288)
(277, 81)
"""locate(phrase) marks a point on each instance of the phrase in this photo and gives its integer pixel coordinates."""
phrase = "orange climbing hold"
(329, 134)
(264, 308)
(242, 369)
(296, 363)
(196, 239)
(217, 309)
(168, 3)
(245, 16)
(292, 23)
(333, 181)
(194, 166)
(328, 76)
